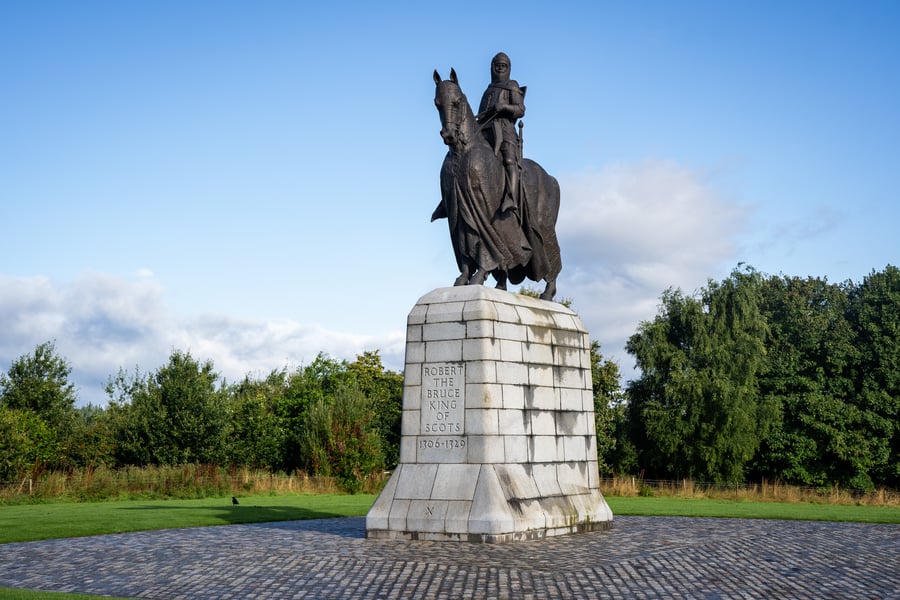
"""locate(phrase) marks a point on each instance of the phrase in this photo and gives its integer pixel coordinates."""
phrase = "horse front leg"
(464, 275)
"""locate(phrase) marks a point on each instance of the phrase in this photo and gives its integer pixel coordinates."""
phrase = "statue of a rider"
(502, 104)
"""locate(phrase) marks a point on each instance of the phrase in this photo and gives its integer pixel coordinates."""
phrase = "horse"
(509, 243)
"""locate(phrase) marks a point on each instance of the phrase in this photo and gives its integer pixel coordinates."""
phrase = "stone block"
(481, 349)
(445, 312)
(490, 512)
(455, 482)
(510, 372)
(511, 351)
(479, 329)
(507, 313)
(416, 481)
(537, 354)
(412, 395)
(397, 517)
(570, 377)
(481, 371)
(443, 331)
(407, 450)
(482, 422)
(417, 315)
(427, 515)
(541, 375)
(571, 399)
(543, 422)
(456, 520)
(513, 396)
(537, 334)
(486, 449)
(409, 423)
(543, 398)
(516, 449)
(544, 449)
(484, 395)
(443, 351)
(514, 422)
(545, 478)
(415, 352)
(510, 331)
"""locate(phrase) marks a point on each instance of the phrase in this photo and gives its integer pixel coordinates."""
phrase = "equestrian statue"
(501, 208)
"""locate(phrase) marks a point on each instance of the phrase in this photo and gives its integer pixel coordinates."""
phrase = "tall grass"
(185, 481)
(204, 481)
(764, 491)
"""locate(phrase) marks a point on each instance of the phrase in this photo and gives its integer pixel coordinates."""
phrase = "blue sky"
(252, 181)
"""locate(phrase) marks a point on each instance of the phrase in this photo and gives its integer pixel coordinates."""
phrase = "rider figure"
(502, 104)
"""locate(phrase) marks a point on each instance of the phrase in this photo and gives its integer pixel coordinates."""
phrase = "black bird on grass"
(234, 500)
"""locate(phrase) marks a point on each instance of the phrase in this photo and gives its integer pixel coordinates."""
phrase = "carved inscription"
(443, 399)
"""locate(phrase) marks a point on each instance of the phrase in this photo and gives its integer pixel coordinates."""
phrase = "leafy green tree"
(384, 391)
(314, 383)
(875, 313)
(695, 410)
(340, 438)
(613, 452)
(27, 444)
(89, 443)
(176, 416)
(39, 382)
(810, 365)
(257, 434)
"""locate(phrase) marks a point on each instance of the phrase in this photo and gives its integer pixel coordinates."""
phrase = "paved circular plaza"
(639, 557)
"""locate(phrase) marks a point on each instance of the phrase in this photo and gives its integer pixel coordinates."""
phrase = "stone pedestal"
(498, 438)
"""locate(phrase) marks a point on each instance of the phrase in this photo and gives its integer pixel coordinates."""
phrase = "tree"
(695, 411)
(27, 444)
(339, 438)
(609, 414)
(875, 313)
(257, 434)
(176, 416)
(39, 382)
(384, 391)
(810, 363)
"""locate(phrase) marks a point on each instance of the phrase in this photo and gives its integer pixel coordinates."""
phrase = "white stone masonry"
(498, 440)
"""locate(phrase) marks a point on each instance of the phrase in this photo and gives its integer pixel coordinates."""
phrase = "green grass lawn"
(74, 519)
(56, 520)
(742, 509)
(16, 594)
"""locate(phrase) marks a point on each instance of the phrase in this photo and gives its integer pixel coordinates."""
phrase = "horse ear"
(453, 76)
(437, 78)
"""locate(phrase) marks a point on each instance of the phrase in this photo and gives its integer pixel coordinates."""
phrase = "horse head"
(457, 119)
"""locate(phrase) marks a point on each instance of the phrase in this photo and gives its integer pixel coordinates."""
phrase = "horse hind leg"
(549, 290)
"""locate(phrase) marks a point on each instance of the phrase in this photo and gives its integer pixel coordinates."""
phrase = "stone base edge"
(486, 538)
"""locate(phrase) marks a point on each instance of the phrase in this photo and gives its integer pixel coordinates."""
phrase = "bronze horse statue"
(510, 244)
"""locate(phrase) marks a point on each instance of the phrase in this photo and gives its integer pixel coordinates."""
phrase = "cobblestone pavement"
(640, 557)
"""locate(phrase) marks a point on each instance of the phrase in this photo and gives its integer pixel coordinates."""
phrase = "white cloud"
(629, 232)
(101, 323)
